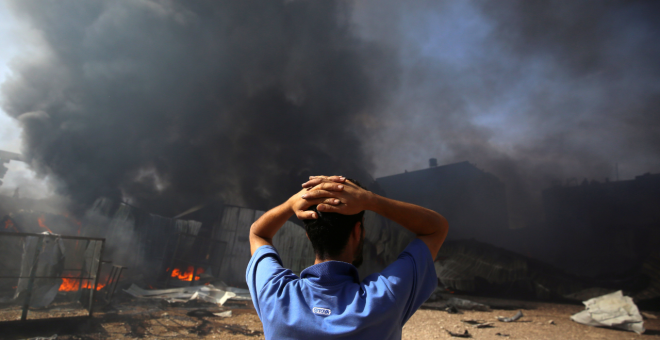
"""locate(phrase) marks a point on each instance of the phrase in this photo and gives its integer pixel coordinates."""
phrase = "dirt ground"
(535, 324)
(150, 319)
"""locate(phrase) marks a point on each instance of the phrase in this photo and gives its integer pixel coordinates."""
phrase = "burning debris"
(42, 263)
(187, 274)
(54, 271)
(72, 284)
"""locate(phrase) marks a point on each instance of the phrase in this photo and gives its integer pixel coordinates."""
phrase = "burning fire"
(10, 225)
(188, 274)
(71, 284)
(42, 223)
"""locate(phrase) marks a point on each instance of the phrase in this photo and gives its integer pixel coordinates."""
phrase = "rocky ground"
(150, 319)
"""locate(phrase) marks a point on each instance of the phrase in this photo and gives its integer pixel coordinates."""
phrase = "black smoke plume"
(171, 104)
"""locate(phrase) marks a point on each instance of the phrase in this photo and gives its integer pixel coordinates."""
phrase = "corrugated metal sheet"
(234, 229)
(294, 247)
(147, 235)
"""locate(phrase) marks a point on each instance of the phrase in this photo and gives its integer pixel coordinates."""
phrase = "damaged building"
(472, 200)
(614, 226)
(614, 229)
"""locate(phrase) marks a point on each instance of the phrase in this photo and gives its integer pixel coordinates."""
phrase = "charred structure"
(472, 200)
(606, 228)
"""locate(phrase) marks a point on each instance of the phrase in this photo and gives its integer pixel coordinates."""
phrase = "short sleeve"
(412, 278)
(264, 267)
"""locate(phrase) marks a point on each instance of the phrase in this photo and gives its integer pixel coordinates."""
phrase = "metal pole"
(169, 272)
(96, 280)
(113, 281)
(109, 281)
(82, 271)
(33, 273)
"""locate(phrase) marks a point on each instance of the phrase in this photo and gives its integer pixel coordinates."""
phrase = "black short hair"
(329, 233)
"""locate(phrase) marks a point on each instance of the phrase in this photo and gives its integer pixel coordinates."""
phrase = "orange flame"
(41, 221)
(188, 274)
(71, 284)
(10, 225)
(72, 219)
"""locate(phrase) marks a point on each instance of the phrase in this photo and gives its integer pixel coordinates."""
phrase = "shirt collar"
(331, 273)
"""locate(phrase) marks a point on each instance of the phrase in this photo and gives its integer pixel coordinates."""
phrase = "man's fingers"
(329, 187)
(312, 182)
(324, 185)
(332, 201)
(306, 215)
(338, 179)
(301, 207)
(328, 208)
(314, 194)
(316, 180)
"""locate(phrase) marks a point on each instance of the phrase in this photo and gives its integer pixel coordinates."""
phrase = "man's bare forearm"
(264, 229)
(426, 224)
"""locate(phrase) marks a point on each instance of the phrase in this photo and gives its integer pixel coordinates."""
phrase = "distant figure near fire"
(328, 300)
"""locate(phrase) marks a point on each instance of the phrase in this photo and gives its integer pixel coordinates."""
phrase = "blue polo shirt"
(328, 300)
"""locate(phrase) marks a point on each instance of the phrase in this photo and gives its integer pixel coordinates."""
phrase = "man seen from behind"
(328, 300)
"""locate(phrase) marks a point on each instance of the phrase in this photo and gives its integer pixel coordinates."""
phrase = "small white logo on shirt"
(321, 311)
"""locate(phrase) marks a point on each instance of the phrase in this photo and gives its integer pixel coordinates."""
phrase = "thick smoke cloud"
(171, 104)
(533, 91)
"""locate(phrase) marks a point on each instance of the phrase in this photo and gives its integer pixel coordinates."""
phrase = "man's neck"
(348, 258)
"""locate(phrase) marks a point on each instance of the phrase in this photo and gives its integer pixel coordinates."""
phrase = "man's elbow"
(441, 232)
(254, 236)
(256, 239)
(443, 228)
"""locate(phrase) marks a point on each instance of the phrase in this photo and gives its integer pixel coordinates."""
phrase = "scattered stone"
(478, 323)
(198, 313)
(502, 334)
(465, 334)
(552, 322)
(467, 304)
(511, 319)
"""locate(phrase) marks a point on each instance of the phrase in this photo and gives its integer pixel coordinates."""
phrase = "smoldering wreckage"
(119, 262)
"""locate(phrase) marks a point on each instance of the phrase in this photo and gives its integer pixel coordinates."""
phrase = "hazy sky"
(13, 38)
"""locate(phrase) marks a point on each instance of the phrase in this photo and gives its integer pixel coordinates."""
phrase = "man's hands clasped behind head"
(320, 184)
(334, 194)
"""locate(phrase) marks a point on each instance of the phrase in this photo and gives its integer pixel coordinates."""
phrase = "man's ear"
(357, 231)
